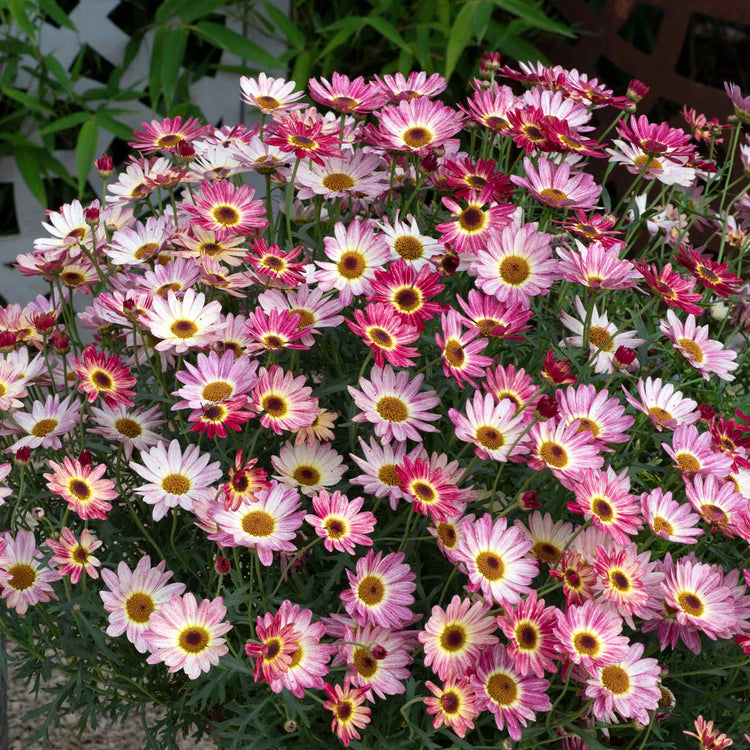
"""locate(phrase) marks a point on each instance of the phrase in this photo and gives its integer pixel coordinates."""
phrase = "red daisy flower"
(593, 228)
(244, 481)
(671, 287)
(468, 176)
(529, 127)
(215, 419)
(277, 329)
(106, 376)
(225, 209)
(385, 333)
(714, 276)
(562, 138)
(430, 488)
(275, 263)
(308, 138)
(473, 223)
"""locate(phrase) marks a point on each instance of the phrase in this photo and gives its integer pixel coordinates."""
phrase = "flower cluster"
(434, 421)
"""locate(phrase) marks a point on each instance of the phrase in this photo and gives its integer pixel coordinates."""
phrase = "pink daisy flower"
(132, 596)
(590, 635)
(380, 591)
(594, 411)
(357, 175)
(279, 329)
(305, 134)
(187, 636)
(355, 252)
(710, 738)
(516, 264)
(663, 404)
(741, 103)
(604, 497)
(597, 266)
(46, 423)
(407, 243)
(175, 477)
(82, 487)
(283, 401)
(548, 538)
(182, 324)
(492, 427)
(512, 384)
(656, 139)
(453, 704)
(340, 522)
(461, 350)
(349, 714)
(675, 291)
(474, 225)
(669, 519)
(563, 449)
(667, 171)
(692, 342)
(529, 630)
(73, 556)
(214, 378)
(417, 84)
(104, 375)
(430, 488)
(557, 186)
(628, 687)
(133, 428)
(490, 107)
(512, 698)
(415, 126)
(381, 329)
(493, 318)
(224, 209)
(345, 95)
(277, 639)
(393, 403)
(454, 638)
(309, 467)
(165, 135)
(694, 453)
(495, 559)
(267, 525)
(24, 581)
(717, 502)
(270, 95)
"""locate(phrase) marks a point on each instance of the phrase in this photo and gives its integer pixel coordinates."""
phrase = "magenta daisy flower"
(669, 519)
(46, 423)
(341, 522)
(603, 497)
(718, 503)
(267, 525)
(596, 411)
(270, 95)
(275, 263)
(355, 252)
(694, 453)
(656, 139)
(453, 704)
(516, 264)
(381, 328)
(349, 714)
(393, 403)
(712, 275)
(345, 95)
(474, 224)
(490, 107)
(415, 126)
(175, 477)
(495, 559)
(305, 134)
(104, 375)
(512, 698)
(270, 332)
(380, 591)
(663, 404)
(82, 487)
(692, 342)
(224, 209)
(216, 419)
(277, 640)
(132, 596)
(454, 638)
(590, 635)
(417, 84)
(514, 385)
(558, 186)
(309, 467)
(529, 630)
(164, 135)
(563, 449)
(24, 581)
(628, 687)
(283, 401)
(73, 555)
(492, 427)
(597, 266)
(493, 318)
(187, 636)
(430, 488)
(460, 350)
(675, 291)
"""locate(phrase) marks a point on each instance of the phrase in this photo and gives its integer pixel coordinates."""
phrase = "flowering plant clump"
(442, 443)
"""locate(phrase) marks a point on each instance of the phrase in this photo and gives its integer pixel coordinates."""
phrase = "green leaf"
(173, 53)
(56, 13)
(154, 71)
(85, 152)
(288, 29)
(302, 67)
(234, 43)
(58, 72)
(117, 128)
(482, 20)
(534, 16)
(28, 165)
(18, 13)
(460, 36)
(27, 101)
(389, 31)
(346, 28)
(69, 121)
(187, 10)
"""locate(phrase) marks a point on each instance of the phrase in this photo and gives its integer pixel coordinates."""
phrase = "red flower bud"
(490, 60)
(85, 457)
(378, 653)
(8, 340)
(91, 215)
(44, 322)
(429, 163)
(23, 456)
(104, 165)
(707, 412)
(557, 371)
(546, 407)
(624, 356)
(222, 565)
(185, 151)
(528, 500)
(637, 90)
(60, 342)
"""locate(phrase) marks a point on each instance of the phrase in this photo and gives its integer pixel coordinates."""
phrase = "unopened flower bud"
(60, 342)
(378, 653)
(104, 165)
(557, 371)
(491, 60)
(185, 151)
(624, 356)
(667, 698)
(85, 457)
(23, 456)
(449, 264)
(528, 500)
(222, 565)
(91, 215)
(546, 407)
(707, 412)
(429, 163)
(37, 513)
(290, 726)
(637, 90)
(8, 340)
(44, 322)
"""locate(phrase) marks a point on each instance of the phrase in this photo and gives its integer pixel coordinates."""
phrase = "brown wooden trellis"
(657, 69)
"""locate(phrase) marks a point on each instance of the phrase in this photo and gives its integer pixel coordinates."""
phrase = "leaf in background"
(389, 31)
(59, 73)
(295, 37)
(18, 13)
(173, 52)
(302, 66)
(56, 13)
(534, 16)
(346, 28)
(28, 165)
(234, 43)
(27, 101)
(482, 20)
(422, 50)
(61, 123)
(460, 36)
(510, 42)
(85, 152)
(154, 71)
(117, 128)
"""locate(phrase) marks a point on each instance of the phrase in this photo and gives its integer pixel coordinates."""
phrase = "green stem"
(289, 201)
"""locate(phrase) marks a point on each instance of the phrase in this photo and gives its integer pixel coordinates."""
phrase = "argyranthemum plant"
(442, 442)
